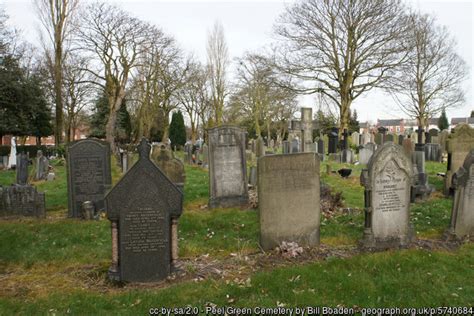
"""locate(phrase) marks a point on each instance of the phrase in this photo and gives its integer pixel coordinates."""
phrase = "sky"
(248, 27)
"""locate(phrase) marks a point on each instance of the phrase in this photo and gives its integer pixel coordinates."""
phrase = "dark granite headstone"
(89, 175)
(333, 141)
(22, 169)
(21, 200)
(143, 209)
(400, 140)
(320, 146)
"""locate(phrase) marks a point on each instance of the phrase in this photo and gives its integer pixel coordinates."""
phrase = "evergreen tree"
(443, 121)
(177, 130)
(354, 123)
(99, 117)
(123, 128)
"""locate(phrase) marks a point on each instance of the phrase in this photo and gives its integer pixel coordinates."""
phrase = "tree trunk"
(193, 132)
(58, 78)
(345, 113)
(38, 140)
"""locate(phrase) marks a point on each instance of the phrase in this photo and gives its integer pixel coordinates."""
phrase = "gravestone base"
(229, 201)
(22, 200)
(369, 242)
(422, 189)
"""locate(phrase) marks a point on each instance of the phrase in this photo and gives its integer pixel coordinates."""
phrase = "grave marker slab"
(227, 167)
(462, 215)
(88, 173)
(172, 167)
(387, 181)
(143, 209)
(283, 182)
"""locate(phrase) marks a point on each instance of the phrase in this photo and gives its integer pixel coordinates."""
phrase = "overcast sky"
(248, 26)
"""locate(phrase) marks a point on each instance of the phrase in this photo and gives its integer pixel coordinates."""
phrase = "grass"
(59, 266)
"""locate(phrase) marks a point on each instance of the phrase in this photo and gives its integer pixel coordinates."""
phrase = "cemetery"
(137, 179)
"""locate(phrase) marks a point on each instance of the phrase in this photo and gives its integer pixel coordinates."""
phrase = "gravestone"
(389, 138)
(21, 200)
(408, 146)
(414, 137)
(285, 147)
(295, 145)
(12, 156)
(22, 169)
(188, 153)
(205, 156)
(143, 209)
(42, 166)
(283, 182)
(432, 152)
(260, 147)
(462, 215)
(333, 141)
(272, 145)
(433, 135)
(172, 167)
(253, 176)
(387, 181)
(379, 139)
(365, 153)
(458, 145)
(88, 174)
(307, 128)
(442, 138)
(355, 139)
(347, 156)
(366, 138)
(227, 167)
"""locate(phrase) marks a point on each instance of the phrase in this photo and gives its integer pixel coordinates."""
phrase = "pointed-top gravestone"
(88, 174)
(462, 216)
(387, 180)
(143, 209)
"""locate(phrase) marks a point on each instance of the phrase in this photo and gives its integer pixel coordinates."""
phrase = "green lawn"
(59, 266)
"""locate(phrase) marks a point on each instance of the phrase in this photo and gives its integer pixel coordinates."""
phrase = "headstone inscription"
(143, 209)
(283, 182)
(458, 145)
(88, 173)
(387, 181)
(227, 167)
(462, 216)
(42, 166)
(172, 167)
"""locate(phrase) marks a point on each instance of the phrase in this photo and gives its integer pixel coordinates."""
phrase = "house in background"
(458, 120)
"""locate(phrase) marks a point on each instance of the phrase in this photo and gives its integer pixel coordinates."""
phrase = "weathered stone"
(42, 166)
(295, 145)
(307, 128)
(366, 138)
(88, 173)
(21, 200)
(400, 139)
(172, 167)
(227, 167)
(283, 182)
(379, 139)
(260, 147)
(253, 176)
(387, 181)
(408, 146)
(462, 216)
(285, 147)
(347, 156)
(205, 156)
(365, 154)
(12, 156)
(458, 145)
(355, 139)
(333, 141)
(22, 169)
(143, 209)
(432, 152)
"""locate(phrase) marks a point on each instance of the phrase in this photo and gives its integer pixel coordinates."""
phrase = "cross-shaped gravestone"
(143, 209)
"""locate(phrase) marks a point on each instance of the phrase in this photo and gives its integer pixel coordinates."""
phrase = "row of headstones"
(197, 155)
(144, 206)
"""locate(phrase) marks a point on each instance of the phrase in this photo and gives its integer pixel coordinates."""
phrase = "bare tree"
(56, 17)
(341, 48)
(78, 89)
(260, 96)
(115, 40)
(217, 62)
(193, 95)
(159, 75)
(430, 80)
